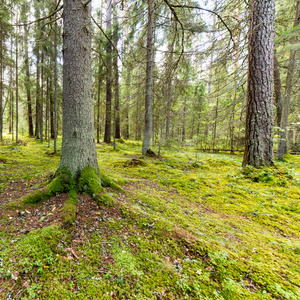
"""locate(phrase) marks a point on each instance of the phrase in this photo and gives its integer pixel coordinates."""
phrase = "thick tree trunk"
(107, 132)
(259, 119)
(148, 97)
(55, 87)
(42, 99)
(78, 146)
(282, 145)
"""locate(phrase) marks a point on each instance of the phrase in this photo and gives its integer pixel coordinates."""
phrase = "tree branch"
(181, 25)
(108, 38)
(207, 10)
(38, 20)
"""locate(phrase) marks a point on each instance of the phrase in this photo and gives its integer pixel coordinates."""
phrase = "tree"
(288, 91)
(78, 146)
(259, 123)
(149, 69)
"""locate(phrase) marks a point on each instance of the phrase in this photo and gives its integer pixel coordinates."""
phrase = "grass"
(186, 226)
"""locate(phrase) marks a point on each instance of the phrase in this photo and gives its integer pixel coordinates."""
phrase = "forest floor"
(188, 226)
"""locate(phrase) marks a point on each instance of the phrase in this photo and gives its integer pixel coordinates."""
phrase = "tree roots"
(88, 182)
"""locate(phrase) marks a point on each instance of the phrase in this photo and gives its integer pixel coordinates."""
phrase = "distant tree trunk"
(215, 124)
(183, 121)
(17, 88)
(148, 97)
(51, 107)
(107, 133)
(116, 73)
(55, 87)
(259, 121)
(98, 100)
(277, 91)
(282, 145)
(37, 100)
(126, 129)
(1, 91)
(42, 99)
(169, 75)
(27, 83)
(78, 145)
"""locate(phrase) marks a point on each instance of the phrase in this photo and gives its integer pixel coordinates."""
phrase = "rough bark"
(282, 146)
(78, 145)
(259, 119)
(149, 70)
(107, 132)
(1, 92)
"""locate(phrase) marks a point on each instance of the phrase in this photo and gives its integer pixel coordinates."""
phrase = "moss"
(108, 182)
(68, 215)
(90, 183)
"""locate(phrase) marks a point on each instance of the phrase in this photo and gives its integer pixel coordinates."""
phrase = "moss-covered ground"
(185, 225)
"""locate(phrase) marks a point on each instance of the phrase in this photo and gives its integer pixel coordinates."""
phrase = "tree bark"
(149, 70)
(259, 122)
(107, 132)
(282, 146)
(78, 145)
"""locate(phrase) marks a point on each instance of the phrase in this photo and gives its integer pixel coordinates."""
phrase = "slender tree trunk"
(1, 92)
(282, 145)
(126, 129)
(37, 100)
(183, 121)
(17, 88)
(55, 87)
(277, 91)
(116, 73)
(78, 145)
(98, 100)
(27, 83)
(215, 124)
(149, 70)
(42, 98)
(51, 106)
(107, 133)
(259, 119)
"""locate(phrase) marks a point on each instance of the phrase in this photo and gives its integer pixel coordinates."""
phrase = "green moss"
(68, 215)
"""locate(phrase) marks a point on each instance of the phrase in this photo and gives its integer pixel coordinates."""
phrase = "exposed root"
(88, 182)
(68, 215)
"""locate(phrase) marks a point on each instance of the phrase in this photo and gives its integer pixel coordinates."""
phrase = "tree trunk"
(148, 97)
(98, 100)
(27, 83)
(116, 71)
(78, 145)
(55, 86)
(17, 87)
(42, 98)
(1, 92)
(282, 145)
(259, 122)
(107, 133)
(37, 100)
(277, 91)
